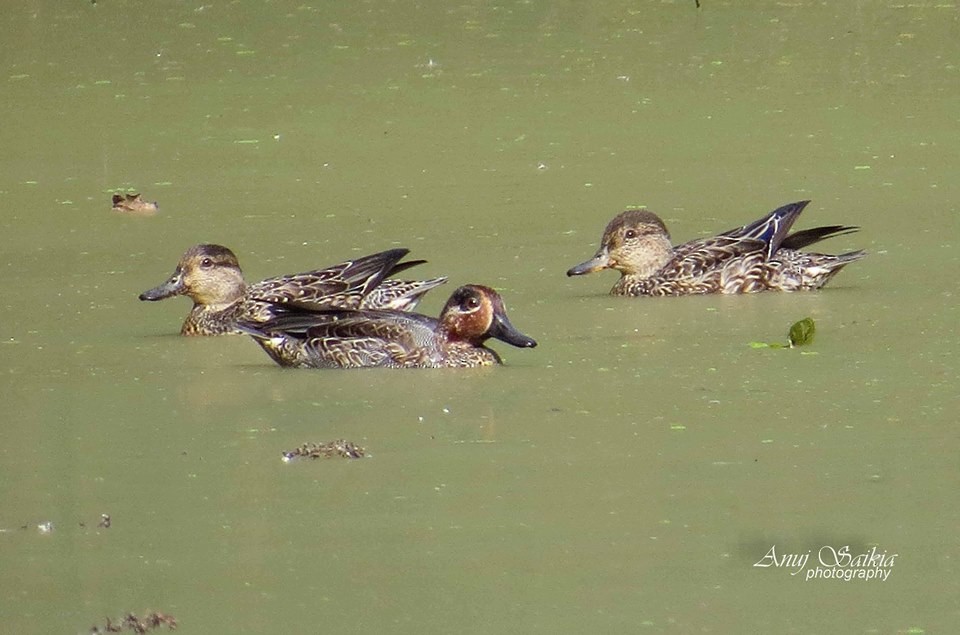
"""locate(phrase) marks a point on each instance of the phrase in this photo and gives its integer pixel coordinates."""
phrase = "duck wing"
(702, 256)
(772, 229)
(341, 286)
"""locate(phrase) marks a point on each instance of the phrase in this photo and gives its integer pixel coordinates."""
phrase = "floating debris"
(801, 333)
(48, 527)
(341, 447)
(134, 204)
(131, 622)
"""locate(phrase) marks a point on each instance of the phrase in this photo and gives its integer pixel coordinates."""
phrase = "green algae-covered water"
(630, 473)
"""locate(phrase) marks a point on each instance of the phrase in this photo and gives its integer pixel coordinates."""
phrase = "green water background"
(625, 475)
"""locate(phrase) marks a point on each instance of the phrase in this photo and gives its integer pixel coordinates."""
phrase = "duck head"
(207, 274)
(475, 313)
(636, 242)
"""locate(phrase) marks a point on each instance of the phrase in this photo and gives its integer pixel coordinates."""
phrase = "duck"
(387, 338)
(210, 275)
(759, 256)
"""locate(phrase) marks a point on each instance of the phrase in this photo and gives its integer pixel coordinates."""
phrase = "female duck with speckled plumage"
(210, 276)
(759, 256)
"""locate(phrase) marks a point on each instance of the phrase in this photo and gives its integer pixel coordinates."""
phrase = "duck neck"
(653, 256)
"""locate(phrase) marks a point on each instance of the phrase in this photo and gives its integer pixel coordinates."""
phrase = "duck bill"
(504, 331)
(598, 262)
(173, 286)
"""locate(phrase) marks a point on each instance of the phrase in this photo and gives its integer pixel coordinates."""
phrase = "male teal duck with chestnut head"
(759, 256)
(210, 275)
(390, 338)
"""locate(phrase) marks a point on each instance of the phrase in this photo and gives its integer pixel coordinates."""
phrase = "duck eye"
(206, 263)
(630, 234)
(471, 303)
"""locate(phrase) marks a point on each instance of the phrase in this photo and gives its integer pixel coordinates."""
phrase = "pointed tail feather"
(827, 267)
(806, 237)
(852, 256)
(400, 295)
(403, 266)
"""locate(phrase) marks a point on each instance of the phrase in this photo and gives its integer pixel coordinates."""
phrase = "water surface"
(623, 476)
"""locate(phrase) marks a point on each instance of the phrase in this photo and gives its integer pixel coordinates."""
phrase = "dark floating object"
(341, 447)
(134, 204)
(131, 622)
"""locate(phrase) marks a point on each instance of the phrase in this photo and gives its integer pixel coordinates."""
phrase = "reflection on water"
(628, 471)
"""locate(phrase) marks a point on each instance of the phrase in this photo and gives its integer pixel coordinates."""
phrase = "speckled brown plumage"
(210, 275)
(759, 256)
(392, 339)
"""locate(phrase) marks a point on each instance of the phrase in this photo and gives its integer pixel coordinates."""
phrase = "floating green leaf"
(802, 332)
